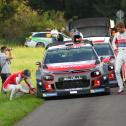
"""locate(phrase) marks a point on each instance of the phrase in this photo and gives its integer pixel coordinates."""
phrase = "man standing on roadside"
(5, 61)
(119, 45)
(55, 34)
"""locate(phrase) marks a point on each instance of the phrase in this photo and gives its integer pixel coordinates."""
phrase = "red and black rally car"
(71, 69)
(105, 52)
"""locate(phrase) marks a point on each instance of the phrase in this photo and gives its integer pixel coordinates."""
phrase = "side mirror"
(106, 60)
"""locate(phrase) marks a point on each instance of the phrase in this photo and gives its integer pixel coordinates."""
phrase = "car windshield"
(42, 35)
(70, 55)
(94, 31)
(103, 49)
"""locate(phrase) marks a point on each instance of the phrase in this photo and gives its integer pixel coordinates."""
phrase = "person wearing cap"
(5, 61)
(119, 46)
(14, 85)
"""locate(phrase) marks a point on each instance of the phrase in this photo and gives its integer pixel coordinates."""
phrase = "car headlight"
(95, 73)
(48, 77)
(40, 83)
(110, 67)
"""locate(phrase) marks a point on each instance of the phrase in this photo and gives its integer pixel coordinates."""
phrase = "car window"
(65, 36)
(103, 49)
(70, 55)
(43, 35)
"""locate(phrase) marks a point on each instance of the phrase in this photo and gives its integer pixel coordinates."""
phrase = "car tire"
(39, 93)
(40, 44)
(107, 92)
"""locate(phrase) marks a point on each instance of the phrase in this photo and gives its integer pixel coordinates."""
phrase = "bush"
(26, 20)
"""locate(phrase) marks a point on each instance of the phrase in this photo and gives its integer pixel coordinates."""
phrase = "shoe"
(120, 90)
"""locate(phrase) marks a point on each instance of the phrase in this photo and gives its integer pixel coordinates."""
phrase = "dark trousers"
(3, 78)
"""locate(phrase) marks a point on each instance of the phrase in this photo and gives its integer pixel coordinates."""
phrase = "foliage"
(105, 8)
(26, 20)
(13, 111)
(82, 8)
(20, 17)
(7, 9)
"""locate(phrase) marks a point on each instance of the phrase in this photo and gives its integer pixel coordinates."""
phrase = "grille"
(72, 84)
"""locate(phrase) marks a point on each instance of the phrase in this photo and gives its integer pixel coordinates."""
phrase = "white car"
(43, 39)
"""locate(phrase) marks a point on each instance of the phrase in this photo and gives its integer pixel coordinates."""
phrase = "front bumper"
(74, 92)
(113, 83)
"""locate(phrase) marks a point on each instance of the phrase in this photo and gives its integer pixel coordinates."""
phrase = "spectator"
(72, 33)
(5, 61)
(54, 33)
(119, 45)
(14, 85)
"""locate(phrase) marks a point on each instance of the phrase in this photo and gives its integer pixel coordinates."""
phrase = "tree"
(8, 8)
(105, 8)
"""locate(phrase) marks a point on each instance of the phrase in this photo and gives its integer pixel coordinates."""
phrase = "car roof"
(40, 32)
(99, 40)
(43, 32)
(69, 45)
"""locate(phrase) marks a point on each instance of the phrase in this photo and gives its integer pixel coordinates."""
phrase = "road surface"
(109, 110)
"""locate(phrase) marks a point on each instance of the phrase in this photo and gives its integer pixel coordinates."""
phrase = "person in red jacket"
(13, 83)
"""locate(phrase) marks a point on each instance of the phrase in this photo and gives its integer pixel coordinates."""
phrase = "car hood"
(98, 39)
(83, 65)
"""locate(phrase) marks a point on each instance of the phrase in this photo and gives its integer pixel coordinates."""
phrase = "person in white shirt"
(119, 45)
(54, 33)
(5, 61)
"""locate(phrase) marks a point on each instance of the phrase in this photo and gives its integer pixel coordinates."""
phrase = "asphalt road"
(109, 110)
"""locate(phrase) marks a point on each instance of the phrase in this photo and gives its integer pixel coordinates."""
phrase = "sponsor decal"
(49, 94)
(72, 78)
(92, 91)
(97, 90)
(73, 89)
(73, 92)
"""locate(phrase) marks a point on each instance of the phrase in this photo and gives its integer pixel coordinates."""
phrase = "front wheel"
(107, 91)
(39, 92)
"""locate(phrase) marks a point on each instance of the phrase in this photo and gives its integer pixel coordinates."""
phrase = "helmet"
(77, 38)
(27, 72)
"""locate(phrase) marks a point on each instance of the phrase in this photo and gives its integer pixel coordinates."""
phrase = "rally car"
(43, 39)
(71, 69)
(105, 52)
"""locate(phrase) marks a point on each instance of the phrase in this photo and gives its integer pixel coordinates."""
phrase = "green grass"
(12, 111)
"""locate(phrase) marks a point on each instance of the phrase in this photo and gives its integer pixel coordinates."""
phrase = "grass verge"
(13, 111)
